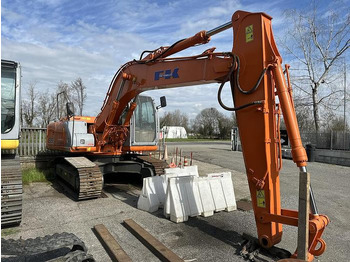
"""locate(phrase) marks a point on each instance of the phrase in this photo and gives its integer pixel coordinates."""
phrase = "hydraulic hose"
(233, 77)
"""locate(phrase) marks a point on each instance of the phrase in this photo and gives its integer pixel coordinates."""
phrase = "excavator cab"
(10, 77)
(144, 124)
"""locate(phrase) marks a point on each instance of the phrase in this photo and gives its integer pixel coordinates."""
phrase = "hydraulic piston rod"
(219, 29)
(201, 37)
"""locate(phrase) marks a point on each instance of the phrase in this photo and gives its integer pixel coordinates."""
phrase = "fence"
(32, 141)
(333, 140)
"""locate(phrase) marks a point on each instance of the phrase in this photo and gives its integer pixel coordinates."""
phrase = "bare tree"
(176, 118)
(79, 94)
(208, 122)
(304, 116)
(47, 105)
(63, 95)
(336, 123)
(317, 41)
(29, 109)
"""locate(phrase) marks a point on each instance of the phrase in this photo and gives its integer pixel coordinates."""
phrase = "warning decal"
(260, 197)
(249, 33)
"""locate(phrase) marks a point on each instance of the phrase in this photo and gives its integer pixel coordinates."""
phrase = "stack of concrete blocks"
(154, 188)
(184, 194)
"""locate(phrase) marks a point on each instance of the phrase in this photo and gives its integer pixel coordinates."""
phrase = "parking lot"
(47, 210)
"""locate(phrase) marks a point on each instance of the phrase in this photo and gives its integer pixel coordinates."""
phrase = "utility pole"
(344, 140)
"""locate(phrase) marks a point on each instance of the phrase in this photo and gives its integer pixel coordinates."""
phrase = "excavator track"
(83, 176)
(11, 190)
(57, 247)
(159, 165)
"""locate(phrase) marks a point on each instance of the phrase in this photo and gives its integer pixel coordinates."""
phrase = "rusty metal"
(114, 250)
(159, 165)
(153, 244)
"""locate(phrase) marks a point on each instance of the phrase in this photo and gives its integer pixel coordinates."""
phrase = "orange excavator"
(254, 70)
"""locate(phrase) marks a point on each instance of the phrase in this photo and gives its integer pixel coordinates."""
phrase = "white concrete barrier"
(227, 189)
(183, 199)
(187, 170)
(206, 197)
(179, 205)
(193, 197)
(217, 193)
(185, 194)
(155, 188)
(148, 200)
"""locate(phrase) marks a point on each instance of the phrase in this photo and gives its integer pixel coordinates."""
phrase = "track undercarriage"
(83, 176)
(11, 190)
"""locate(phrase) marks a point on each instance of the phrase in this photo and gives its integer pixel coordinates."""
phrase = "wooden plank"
(40, 145)
(28, 142)
(114, 250)
(303, 215)
(153, 244)
(32, 138)
(25, 142)
(36, 148)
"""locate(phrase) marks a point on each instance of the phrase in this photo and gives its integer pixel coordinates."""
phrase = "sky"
(61, 40)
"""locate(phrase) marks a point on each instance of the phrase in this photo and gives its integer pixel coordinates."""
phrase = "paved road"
(47, 210)
(330, 185)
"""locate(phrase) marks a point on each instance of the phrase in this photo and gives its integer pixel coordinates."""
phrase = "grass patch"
(31, 175)
(8, 231)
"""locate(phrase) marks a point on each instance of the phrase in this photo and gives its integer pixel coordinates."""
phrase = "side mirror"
(70, 109)
(162, 102)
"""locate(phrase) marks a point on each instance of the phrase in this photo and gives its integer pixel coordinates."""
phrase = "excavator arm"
(254, 71)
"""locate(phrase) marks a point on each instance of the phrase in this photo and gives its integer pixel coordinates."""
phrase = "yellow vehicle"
(11, 176)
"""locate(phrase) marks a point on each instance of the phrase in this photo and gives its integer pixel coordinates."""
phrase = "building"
(174, 132)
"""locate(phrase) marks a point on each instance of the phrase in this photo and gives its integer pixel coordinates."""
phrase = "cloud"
(61, 40)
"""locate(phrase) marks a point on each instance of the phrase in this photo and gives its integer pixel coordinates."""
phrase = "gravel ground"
(47, 210)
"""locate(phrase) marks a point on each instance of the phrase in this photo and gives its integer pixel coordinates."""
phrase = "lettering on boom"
(166, 74)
